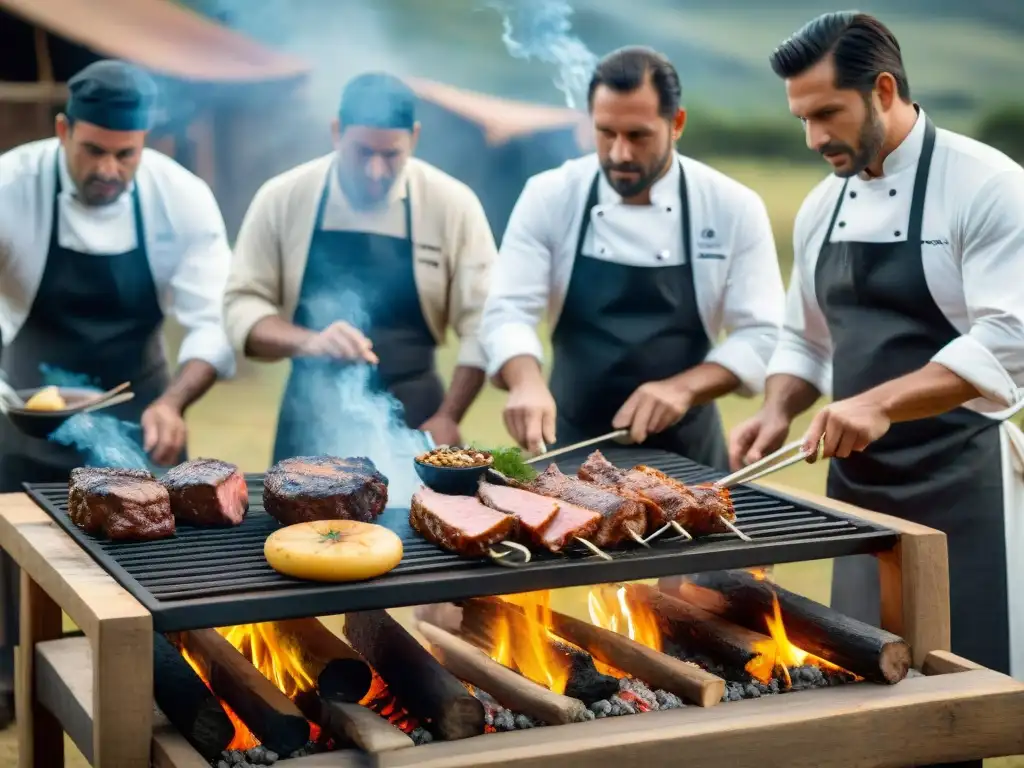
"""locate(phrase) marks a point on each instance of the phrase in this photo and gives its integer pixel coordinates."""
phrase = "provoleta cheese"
(46, 399)
(333, 550)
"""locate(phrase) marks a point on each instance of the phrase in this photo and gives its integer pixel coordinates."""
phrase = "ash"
(421, 736)
(238, 758)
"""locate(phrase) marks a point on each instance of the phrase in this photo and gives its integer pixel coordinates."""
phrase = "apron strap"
(921, 184)
(835, 214)
(587, 208)
(321, 206)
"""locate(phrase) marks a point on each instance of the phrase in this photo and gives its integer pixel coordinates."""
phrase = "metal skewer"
(768, 465)
(619, 433)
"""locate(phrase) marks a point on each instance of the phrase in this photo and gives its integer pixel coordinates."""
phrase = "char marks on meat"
(460, 524)
(307, 488)
(621, 511)
(126, 504)
(207, 492)
(707, 508)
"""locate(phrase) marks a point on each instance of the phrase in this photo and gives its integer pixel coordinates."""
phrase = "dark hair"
(378, 100)
(862, 48)
(627, 69)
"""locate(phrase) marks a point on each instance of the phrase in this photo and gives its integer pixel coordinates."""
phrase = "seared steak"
(307, 488)
(543, 521)
(207, 492)
(460, 524)
(119, 503)
(707, 508)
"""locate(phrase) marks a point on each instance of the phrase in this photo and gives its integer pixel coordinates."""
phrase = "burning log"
(429, 691)
(508, 688)
(266, 711)
(328, 659)
(742, 598)
(353, 723)
(584, 681)
(186, 701)
(656, 669)
(736, 648)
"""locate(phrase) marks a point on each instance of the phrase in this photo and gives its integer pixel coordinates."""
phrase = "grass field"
(236, 421)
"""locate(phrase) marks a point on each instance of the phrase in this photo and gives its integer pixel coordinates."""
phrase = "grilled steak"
(543, 521)
(460, 524)
(621, 511)
(307, 488)
(119, 504)
(707, 507)
(207, 492)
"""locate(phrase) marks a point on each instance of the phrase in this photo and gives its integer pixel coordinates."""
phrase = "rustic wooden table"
(969, 715)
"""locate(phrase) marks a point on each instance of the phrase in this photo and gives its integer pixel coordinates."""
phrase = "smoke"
(540, 29)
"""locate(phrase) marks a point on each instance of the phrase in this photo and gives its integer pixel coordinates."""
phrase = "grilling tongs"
(770, 464)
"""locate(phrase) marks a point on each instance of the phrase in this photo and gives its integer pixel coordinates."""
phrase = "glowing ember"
(529, 649)
(381, 701)
(786, 655)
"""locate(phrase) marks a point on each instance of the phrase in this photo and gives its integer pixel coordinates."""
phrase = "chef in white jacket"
(658, 274)
(907, 306)
(100, 239)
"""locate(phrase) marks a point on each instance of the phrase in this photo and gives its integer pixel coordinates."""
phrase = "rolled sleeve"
(519, 285)
(754, 304)
(254, 281)
(197, 287)
(990, 355)
(475, 254)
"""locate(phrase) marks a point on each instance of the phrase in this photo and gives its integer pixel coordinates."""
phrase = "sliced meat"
(307, 488)
(621, 511)
(663, 502)
(207, 492)
(126, 504)
(543, 521)
(706, 507)
(460, 524)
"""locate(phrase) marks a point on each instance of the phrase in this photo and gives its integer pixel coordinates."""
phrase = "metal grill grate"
(207, 577)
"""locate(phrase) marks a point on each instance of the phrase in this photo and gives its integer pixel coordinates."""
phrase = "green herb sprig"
(510, 462)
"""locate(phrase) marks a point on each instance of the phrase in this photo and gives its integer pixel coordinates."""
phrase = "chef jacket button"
(600, 214)
(853, 194)
(892, 193)
(604, 250)
(842, 223)
(896, 233)
(662, 255)
(668, 209)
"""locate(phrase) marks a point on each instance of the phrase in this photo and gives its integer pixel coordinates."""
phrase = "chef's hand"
(530, 416)
(163, 432)
(444, 429)
(652, 408)
(340, 341)
(847, 426)
(756, 437)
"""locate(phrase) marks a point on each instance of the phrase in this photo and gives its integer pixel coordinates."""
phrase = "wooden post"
(40, 736)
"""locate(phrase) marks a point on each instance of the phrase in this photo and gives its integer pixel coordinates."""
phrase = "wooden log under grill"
(186, 701)
(357, 725)
(585, 682)
(427, 690)
(736, 648)
(508, 688)
(328, 659)
(857, 647)
(656, 669)
(266, 711)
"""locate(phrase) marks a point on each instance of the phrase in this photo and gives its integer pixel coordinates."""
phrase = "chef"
(643, 259)
(100, 239)
(366, 255)
(907, 305)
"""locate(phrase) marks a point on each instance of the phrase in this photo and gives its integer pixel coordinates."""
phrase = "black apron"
(97, 316)
(377, 272)
(622, 326)
(944, 471)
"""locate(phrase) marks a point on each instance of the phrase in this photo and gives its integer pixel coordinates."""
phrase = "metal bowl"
(42, 424)
(452, 481)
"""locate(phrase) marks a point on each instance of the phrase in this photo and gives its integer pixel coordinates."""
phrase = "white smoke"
(540, 29)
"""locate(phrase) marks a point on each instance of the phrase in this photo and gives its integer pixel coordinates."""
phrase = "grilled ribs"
(543, 521)
(307, 488)
(460, 524)
(207, 492)
(709, 506)
(621, 511)
(127, 504)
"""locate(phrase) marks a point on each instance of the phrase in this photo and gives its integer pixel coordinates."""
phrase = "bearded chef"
(100, 239)
(364, 256)
(643, 259)
(907, 304)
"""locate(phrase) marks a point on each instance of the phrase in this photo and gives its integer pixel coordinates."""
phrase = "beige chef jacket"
(453, 248)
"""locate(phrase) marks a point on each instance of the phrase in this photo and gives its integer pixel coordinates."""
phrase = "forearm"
(706, 382)
(274, 338)
(522, 370)
(466, 385)
(789, 395)
(928, 391)
(192, 381)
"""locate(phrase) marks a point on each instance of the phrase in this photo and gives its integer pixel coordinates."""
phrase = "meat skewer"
(711, 504)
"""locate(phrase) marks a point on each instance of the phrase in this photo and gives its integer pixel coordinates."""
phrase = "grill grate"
(219, 577)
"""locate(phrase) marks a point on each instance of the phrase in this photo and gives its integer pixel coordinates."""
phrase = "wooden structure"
(99, 688)
(228, 101)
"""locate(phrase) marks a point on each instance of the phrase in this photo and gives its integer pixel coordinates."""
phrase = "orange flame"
(787, 655)
(529, 646)
(610, 608)
(243, 738)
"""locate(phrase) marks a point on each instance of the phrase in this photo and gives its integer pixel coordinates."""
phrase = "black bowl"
(41, 424)
(452, 481)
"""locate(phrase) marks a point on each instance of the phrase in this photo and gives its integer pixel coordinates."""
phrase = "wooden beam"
(40, 742)
(44, 61)
(33, 93)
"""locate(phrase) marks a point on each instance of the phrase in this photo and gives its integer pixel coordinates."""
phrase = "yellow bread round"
(333, 550)
(46, 399)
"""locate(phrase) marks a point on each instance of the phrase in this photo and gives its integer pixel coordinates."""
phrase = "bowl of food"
(46, 408)
(453, 471)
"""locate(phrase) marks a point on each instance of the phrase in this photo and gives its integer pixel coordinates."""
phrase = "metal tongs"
(616, 435)
(770, 464)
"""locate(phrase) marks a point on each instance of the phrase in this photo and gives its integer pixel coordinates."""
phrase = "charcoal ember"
(640, 690)
(270, 757)
(668, 700)
(588, 714)
(585, 682)
(601, 708)
(222, 764)
(504, 721)
(524, 722)
(421, 736)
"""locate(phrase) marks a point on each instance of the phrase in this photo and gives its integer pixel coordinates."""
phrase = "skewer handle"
(582, 444)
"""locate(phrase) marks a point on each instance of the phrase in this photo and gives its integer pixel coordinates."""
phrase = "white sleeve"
(805, 345)
(197, 286)
(991, 354)
(520, 281)
(754, 303)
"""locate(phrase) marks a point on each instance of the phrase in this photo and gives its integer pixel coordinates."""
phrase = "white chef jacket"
(738, 284)
(186, 242)
(972, 251)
